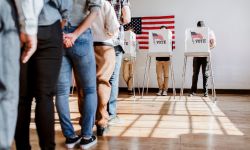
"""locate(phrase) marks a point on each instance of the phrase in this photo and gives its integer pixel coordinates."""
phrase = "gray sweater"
(54, 10)
(81, 9)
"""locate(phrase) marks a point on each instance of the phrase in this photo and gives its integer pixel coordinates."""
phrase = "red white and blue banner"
(142, 25)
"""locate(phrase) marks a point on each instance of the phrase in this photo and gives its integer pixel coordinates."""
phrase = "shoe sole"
(115, 123)
(72, 145)
(89, 145)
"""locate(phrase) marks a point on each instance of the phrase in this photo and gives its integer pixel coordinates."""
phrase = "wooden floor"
(165, 123)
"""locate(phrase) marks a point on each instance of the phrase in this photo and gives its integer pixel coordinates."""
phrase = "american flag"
(196, 35)
(157, 36)
(141, 25)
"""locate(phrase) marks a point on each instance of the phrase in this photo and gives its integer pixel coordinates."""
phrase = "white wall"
(230, 20)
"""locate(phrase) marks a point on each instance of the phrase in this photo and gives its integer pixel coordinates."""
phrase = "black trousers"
(38, 79)
(197, 63)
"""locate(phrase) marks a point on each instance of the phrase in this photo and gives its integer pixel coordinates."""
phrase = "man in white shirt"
(105, 27)
(28, 11)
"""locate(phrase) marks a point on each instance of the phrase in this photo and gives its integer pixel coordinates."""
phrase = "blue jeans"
(114, 81)
(9, 73)
(81, 58)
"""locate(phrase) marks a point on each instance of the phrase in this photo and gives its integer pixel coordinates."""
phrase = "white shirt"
(106, 25)
(28, 11)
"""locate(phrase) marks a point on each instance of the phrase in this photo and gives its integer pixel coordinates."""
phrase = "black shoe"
(87, 143)
(130, 92)
(191, 94)
(72, 142)
(100, 130)
(205, 95)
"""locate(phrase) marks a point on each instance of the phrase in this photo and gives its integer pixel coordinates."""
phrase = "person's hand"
(67, 43)
(30, 45)
(211, 43)
(69, 39)
(63, 22)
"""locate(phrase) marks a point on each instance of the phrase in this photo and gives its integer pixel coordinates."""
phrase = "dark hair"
(201, 24)
(130, 28)
(163, 27)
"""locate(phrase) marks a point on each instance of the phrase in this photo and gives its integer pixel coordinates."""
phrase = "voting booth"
(130, 47)
(197, 44)
(197, 41)
(130, 44)
(160, 45)
(160, 42)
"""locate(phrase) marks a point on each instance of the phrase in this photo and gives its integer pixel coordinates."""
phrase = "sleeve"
(64, 7)
(212, 39)
(111, 23)
(125, 3)
(94, 5)
(212, 35)
(170, 34)
(29, 11)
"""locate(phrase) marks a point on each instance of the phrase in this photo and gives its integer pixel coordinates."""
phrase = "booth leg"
(148, 74)
(133, 79)
(145, 72)
(183, 76)
(212, 79)
(172, 76)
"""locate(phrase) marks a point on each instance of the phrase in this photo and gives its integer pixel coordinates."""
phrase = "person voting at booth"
(129, 58)
(202, 62)
(162, 70)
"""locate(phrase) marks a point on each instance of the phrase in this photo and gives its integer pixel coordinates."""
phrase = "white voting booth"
(197, 41)
(160, 45)
(197, 45)
(130, 46)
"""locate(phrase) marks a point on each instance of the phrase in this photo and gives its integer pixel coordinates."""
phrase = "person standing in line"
(124, 16)
(202, 62)
(162, 70)
(105, 28)
(10, 38)
(129, 61)
(79, 56)
(39, 76)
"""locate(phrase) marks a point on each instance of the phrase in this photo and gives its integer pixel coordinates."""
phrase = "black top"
(162, 58)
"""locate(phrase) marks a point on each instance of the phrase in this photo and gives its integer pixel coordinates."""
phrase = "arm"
(28, 11)
(126, 14)
(111, 22)
(64, 7)
(212, 40)
(71, 37)
(94, 7)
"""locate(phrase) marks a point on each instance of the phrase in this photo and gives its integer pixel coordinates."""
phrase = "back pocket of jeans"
(81, 47)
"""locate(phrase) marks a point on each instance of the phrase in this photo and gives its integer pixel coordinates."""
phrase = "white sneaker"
(164, 93)
(115, 120)
(159, 93)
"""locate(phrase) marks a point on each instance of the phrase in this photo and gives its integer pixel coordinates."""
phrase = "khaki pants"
(162, 68)
(105, 65)
(128, 72)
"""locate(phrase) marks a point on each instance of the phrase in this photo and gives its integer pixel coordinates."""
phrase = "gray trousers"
(9, 73)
